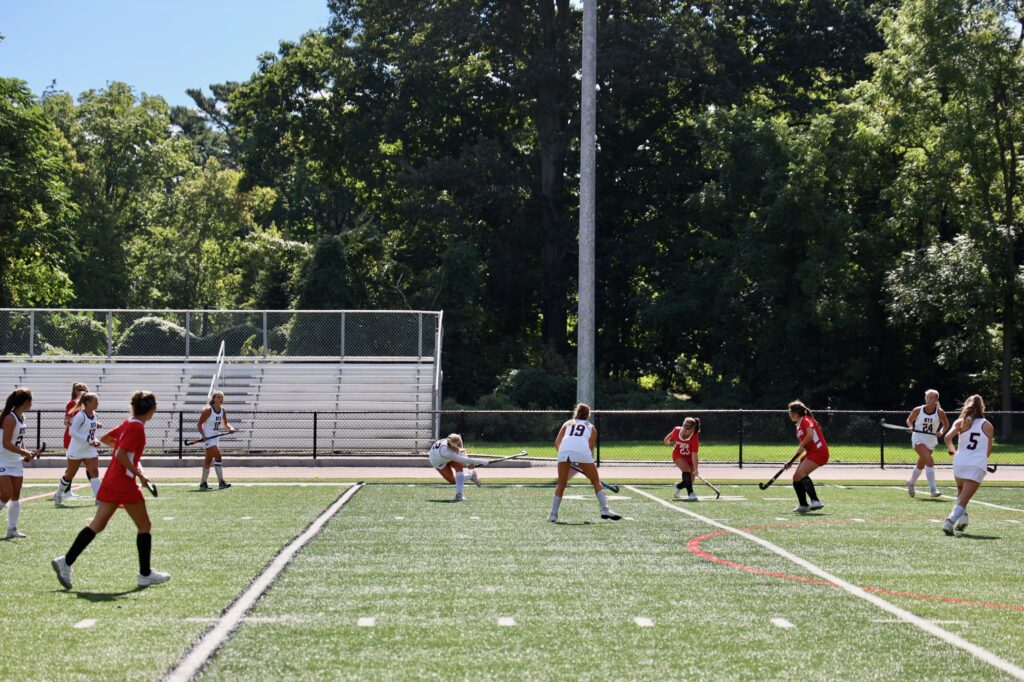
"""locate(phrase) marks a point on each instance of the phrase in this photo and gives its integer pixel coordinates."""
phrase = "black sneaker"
(224, 485)
(610, 515)
(204, 486)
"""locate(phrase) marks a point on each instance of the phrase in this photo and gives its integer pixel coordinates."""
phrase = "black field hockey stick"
(521, 453)
(40, 450)
(151, 487)
(907, 429)
(991, 468)
(216, 435)
(705, 482)
(610, 486)
(765, 486)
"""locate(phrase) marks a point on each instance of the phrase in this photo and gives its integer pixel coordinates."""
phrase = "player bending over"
(815, 451)
(975, 436)
(686, 442)
(929, 422)
(449, 457)
(119, 489)
(575, 444)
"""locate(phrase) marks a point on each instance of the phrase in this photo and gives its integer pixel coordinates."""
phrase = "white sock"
(555, 504)
(206, 473)
(954, 515)
(220, 473)
(914, 475)
(602, 500)
(13, 513)
(60, 488)
(95, 483)
(460, 480)
(930, 473)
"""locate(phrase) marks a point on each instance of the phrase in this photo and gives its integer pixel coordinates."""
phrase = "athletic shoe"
(204, 486)
(609, 515)
(475, 477)
(154, 578)
(692, 497)
(15, 533)
(815, 505)
(961, 523)
(458, 497)
(936, 493)
(801, 509)
(63, 571)
(69, 495)
(553, 518)
(222, 485)
(678, 495)
(947, 527)
(58, 501)
(910, 488)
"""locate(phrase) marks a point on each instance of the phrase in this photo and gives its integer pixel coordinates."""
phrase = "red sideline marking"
(694, 546)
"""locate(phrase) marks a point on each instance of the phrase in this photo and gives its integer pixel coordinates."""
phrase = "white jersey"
(83, 433)
(441, 453)
(930, 424)
(13, 458)
(576, 439)
(212, 425)
(972, 446)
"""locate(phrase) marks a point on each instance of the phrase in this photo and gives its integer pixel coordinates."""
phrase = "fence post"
(188, 334)
(39, 429)
(31, 333)
(110, 335)
(342, 356)
(265, 337)
(314, 434)
(741, 438)
(181, 434)
(881, 444)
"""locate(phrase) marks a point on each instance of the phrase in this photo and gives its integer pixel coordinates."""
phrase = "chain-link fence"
(744, 437)
(296, 335)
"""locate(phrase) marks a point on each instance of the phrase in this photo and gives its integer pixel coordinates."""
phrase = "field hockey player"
(64, 489)
(448, 457)
(928, 422)
(216, 410)
(119, 489)
(82, 449)
(575, 444)
(685, 442)
(815, 454)
(13, 456)
(975, 437)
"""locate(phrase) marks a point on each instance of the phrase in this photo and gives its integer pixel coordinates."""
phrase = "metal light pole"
(585, 329)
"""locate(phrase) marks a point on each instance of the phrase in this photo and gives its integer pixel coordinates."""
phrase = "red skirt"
(685, 460)
(820, 457)
(120, 496)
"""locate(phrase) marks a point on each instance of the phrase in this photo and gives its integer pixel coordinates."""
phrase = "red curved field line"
(694, 546)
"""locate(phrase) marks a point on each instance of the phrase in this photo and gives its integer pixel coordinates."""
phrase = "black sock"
(85, 536)
(688, 482)
(809, 487)
(88, 475)
(144, 541)
(680, 485)
(801, 492)
(65, 484)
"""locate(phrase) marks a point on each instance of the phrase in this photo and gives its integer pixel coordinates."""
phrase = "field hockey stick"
(505, 459)
(151, 487)
(705, 482)
(216, 435)
(991, 468)
(41, 450)
(765, 486)
(897, 427)
(611, 486)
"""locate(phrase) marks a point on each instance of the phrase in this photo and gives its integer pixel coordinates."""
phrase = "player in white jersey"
(975, 436)
(220, 421)
(82, 448)
(575, 444)
(13, 456)
(929, 422)
(448, 457)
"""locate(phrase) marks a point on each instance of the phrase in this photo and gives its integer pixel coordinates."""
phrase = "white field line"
(978, 652)
(366, 622)
(506, 621)
(267, 484)
(782, 623)
(973, 501)
(194, 660)
(83, 624)
(643, 622)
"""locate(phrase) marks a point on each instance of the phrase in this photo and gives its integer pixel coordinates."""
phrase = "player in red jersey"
(119, 489)
(64, 486)
(815, 451)
(686, 442)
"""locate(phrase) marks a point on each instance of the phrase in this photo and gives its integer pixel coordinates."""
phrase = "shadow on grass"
(100, 597)
(972, 536)
(575, 523)
(447, 500)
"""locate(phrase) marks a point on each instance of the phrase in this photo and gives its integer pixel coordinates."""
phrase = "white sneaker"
(15, 533)
(815, 504)
(910, 488)
(936, 493)
(58, 501)
(961, 523)
(63, 571)
(458, 497)
(553, 518)
(678, 495)
(475, 477)
(70, 495)
(692, 497)
(154, 578)
(947, 527)
(801, 509)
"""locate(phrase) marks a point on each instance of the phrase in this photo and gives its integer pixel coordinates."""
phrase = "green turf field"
(659, 595)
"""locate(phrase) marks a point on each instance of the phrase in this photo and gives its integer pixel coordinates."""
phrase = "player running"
(685, 440)
(220, 420)
(575, 444)
(975, 437)
(119, 489)
(64, 487)
(929, 422)
(815, 451)
(82, 448)
(13, 456)
(448, 457)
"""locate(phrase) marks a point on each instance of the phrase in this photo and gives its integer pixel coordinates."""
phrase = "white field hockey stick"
(216, 435)
(611, 486)
(907, 429)
(705, 482)
(522, 453)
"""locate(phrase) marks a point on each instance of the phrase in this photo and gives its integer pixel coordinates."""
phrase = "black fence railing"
(743, 437)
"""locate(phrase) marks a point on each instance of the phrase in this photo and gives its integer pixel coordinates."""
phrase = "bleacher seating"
(354, 407)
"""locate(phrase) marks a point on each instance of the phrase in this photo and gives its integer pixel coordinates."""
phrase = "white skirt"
(12, 466)
(576, 457)
(969, 471)
(925, 439)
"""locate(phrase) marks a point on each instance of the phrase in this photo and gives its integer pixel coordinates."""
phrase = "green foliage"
(149, 336)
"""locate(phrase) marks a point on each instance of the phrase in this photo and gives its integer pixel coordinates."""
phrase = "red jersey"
(67, 422)
(817, 442)
(684, 447)
(129, 435)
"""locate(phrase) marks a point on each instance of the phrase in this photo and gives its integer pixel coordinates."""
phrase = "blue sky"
(159, 48)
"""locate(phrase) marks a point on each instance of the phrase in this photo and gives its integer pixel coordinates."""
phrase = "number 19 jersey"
(576, 440)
